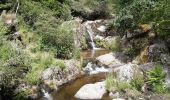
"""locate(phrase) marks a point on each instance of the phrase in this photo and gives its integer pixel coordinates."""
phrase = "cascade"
(46, 95)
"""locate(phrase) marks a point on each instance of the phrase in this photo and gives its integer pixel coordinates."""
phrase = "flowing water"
(67, 91)
(96, 74)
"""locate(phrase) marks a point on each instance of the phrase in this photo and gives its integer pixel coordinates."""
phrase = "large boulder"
(165, 59)
(55, 76)
(127, 72)
(91, 91)
(155, 50)
(108, 60)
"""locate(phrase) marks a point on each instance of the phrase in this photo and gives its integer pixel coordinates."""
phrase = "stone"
(55, 76)
(155, 50)
(91, 91)
(99, 37)
(148, 66)
(165, 58)
(102, 28)
(118, 99)
(126, 72)
(114, 95)
(108, 60)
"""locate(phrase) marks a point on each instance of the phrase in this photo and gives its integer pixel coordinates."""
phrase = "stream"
(67, 91)
(94, 73)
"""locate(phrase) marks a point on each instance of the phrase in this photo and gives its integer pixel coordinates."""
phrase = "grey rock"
(126, 72)
(91, 91)
(108, 60)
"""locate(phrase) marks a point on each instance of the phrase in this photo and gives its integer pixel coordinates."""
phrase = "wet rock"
(114, 95)
(102, 28)
(93, 69)
(108, 60)
(126, 72)
(91, 91)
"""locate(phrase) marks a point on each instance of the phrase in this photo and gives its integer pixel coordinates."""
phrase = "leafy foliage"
(156, 79)
(135, 12)
(61, 42)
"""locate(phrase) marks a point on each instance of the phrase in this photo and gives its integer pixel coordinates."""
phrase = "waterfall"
(46, 95)
(90, 33)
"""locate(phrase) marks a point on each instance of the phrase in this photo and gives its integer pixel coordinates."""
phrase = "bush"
(14, 65)
(113, 85)
(42, 61)
(109, 82)
(156, 79)
(61, 42)
(137, 82)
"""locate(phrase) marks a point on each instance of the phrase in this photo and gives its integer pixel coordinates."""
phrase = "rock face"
(108, 60)
(91, 91)
(33, 91)
(155, 50)
(126, 72)
(54, 76)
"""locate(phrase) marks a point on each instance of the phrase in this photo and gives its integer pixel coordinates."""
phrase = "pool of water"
(67, 92)
(91, 54)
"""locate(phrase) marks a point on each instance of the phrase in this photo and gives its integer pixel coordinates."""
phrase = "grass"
(42, 61)
(114, 85)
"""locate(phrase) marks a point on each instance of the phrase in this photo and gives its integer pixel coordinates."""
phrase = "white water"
(91, 33)
(94, 70)
(46, 95)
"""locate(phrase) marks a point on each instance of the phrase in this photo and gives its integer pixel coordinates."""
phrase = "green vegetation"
(42, 34)
(137, 82)
(114, 85)
(156, 79)
(134, 12)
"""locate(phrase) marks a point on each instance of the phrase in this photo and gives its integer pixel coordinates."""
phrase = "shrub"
(137, 82)
(113, 85)
(122, 86)
(99, 43)
(61, 42)
(109, 82)
(41, 62)
(15, 64)
(156, 79)
(3, 29)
